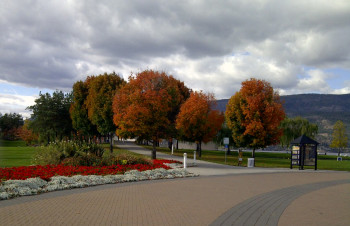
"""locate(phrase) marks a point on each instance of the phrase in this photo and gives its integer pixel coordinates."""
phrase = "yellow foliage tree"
(340, 139)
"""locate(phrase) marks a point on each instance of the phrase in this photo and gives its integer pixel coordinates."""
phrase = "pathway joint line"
(267, 208)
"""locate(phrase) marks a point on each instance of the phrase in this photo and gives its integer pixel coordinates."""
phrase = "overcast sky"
(299, 46)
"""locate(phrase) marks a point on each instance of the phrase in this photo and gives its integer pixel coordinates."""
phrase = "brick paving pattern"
(194, 201)
(266, 209)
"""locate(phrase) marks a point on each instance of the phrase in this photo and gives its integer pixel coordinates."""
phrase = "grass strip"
(262, 159)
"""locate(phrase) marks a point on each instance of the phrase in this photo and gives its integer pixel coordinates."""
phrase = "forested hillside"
(322, 109)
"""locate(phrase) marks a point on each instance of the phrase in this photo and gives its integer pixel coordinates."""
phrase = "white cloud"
(310, 81)
(344, 90)
(10, 103)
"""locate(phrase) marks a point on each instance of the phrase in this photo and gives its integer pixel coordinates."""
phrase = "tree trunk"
(199, 149)
(154, 150)
(111, 142)
(170, 143)
(253, 155)
(339, 152)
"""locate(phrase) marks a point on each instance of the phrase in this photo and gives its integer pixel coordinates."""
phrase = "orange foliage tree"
(146, 107)
(197, 121)
(27, 134)
(254, 115)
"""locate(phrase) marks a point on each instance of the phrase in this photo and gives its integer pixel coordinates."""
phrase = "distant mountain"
(326, 103)
(322, 109)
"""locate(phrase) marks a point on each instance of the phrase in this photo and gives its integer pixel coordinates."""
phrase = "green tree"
(101, 90)
(224, 132)
(9, 123)
(254, 115)
(295, 127)
(146, 106)
(79, 112)
(50, 116)
(340, 139)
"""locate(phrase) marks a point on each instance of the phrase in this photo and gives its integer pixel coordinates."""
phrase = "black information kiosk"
(304, 152)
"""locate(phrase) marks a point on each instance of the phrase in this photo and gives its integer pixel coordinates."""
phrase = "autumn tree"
(50, 117)
(27, 134)
(295, 127)
(147, 106)
(79, 111)
(101, 90)
(197, 120)
(254, 115)
(340, 139)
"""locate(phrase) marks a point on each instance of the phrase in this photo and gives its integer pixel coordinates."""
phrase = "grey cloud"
(53, 44)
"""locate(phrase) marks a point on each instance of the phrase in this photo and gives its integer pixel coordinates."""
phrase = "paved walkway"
(266, 209)
(202, 167)
(270, 197)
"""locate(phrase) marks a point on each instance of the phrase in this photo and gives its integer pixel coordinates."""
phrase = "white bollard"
(172, 149)
(185, 160)
(194, 157)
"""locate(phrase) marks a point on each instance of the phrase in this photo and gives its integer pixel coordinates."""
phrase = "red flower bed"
(48, 171)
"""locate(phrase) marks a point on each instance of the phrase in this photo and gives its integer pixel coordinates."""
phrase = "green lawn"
(15, 153)
(262, 159)
(16, 143)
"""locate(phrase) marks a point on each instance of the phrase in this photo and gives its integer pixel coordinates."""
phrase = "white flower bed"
(33, 186)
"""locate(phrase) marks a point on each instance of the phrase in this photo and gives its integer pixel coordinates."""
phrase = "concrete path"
(204, 168)
(261, 198)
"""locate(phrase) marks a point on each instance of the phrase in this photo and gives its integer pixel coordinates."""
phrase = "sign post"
(226, 140)
(240, 157)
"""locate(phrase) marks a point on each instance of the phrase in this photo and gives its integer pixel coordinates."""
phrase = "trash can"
(250, 162)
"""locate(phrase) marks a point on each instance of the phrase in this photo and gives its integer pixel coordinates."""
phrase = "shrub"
(71, 161)
(86, 160)
(124, 159)
(92, 148)
(46, 155)
(75, 153)
(54, 153)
